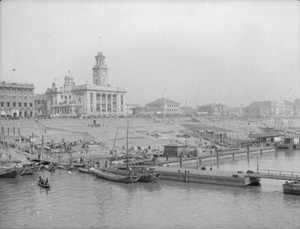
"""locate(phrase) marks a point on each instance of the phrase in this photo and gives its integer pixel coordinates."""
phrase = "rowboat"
(116, 177)
(85, 170)
(8, 174)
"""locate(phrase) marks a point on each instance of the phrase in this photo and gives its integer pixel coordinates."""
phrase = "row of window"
(14, 104)
(16, 91)
(40, 101)
(62, 97)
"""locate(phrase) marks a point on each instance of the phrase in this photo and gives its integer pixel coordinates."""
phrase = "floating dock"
(206, 176)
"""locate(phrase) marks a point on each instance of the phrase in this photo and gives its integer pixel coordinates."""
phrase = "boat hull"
(116, 177)
(28, 171)
(291, 188)
(43, 186)
(83, 170)
(146, 175)
(149, 177)
(64, 167)
(9, 174)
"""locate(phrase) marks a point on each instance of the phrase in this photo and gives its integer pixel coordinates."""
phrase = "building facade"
(213, 109)
(259, 109)
(16, 99)
(273, 109)
(61, 98)
(41, 105)
(97, 99)
(296, 108)
(163, 106)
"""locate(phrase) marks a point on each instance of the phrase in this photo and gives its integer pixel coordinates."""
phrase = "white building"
(99, 98)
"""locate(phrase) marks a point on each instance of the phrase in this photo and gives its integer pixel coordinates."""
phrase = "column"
(95, 103)
(118, 104)
(100, 103)
(112, 103)
(106, 103)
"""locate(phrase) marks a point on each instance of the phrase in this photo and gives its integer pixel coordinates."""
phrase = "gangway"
(275, 174)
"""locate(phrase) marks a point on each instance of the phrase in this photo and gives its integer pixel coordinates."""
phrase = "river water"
(78, 200)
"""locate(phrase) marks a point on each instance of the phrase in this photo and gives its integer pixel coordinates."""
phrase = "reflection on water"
(78, 200)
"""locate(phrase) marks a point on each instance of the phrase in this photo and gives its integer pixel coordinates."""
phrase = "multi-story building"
(278, 108)
(258, 108)
(16, 99)
(288, 109)
(235, 111)
(296, 108)
(213, 109)
(61, 99)
(130, 107)
(41, 105)
(98, 99)
(163, 106)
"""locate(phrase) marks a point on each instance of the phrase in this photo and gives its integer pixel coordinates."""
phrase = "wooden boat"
(146, 175)
(292, 187)
(65, 167)
(78, 165)
(8, 174)
(28, 170)
(86, 170)
(43, 185)
(116, 177)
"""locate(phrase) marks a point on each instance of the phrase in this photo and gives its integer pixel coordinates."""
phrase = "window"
(62, 97)
(20, 104)
(2, 104)
(30, 104)
(25, 104)
(69, 96)
(8, 104)
(14, 104)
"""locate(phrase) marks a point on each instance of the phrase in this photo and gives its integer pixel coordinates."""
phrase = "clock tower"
(100, 71)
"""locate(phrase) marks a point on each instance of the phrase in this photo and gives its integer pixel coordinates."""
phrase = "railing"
(279, 173)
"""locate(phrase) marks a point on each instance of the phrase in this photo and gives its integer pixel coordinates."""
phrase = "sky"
(192, 52)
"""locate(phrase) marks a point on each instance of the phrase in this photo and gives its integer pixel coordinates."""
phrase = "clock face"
(104, 73)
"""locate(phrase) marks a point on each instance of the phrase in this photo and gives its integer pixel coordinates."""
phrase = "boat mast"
(127, 145)
(115, 140)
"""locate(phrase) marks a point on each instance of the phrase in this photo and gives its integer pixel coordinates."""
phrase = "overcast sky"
(232, 52)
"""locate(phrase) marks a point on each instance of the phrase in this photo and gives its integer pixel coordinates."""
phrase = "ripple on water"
(78, 200)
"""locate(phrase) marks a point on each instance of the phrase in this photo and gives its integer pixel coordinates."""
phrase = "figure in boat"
(42, 181)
